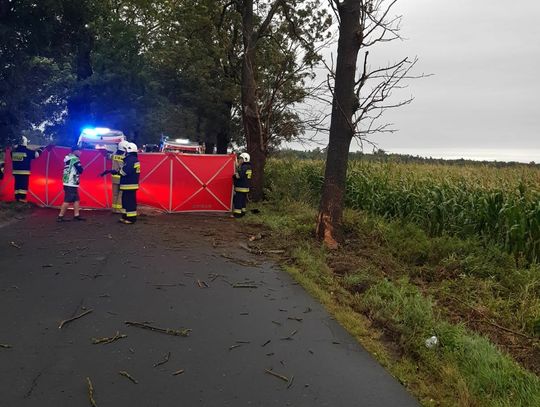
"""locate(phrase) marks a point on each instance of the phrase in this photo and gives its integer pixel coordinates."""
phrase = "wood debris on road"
(279, 376)
(202, 284)
(128, 376)
(290, 337)
(66, 321)
(165, 360)
(244, 285)
(91, 392)
(168, 331)
(105, 341)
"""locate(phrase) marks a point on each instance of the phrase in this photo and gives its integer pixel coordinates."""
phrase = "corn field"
(501, 205)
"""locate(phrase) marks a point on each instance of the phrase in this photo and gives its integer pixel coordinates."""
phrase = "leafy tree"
(292, 26)
(146, 67)
(34, 76)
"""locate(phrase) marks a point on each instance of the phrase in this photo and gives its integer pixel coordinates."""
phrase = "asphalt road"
(171, 272)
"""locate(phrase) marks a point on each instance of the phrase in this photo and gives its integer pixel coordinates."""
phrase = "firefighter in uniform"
(129, 183)
(117, 164)
(21, 157)
(242, 182)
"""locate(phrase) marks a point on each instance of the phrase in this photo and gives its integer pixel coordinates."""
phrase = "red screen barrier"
(7, 188)
(169, 181)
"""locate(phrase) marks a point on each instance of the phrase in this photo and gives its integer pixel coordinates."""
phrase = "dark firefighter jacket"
(243, 183)
(130, 173)
(21, 157)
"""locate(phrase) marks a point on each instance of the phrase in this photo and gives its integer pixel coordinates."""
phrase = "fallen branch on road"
(279, 376)
(162, 362)
(127, 375)
(202, 284)
(244, 285)
(66, 321)
(168, 331)
(290, 382)
(91, 392)
(290, 337)
(105, 341)
(166, 285)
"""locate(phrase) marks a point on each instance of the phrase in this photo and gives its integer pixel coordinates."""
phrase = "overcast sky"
(485, 90)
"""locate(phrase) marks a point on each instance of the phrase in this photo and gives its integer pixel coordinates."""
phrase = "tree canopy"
(150, 68)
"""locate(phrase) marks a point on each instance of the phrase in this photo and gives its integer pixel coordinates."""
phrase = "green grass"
(500, 205)
(489, 377)
(397, 291)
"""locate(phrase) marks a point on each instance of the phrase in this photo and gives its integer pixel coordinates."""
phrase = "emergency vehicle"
(181, 145)
(100, 138)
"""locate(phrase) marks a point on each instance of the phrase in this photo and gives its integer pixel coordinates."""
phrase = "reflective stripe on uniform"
(129, 187)
(116, 206)
(239, 211)
(131, 214)
(20, 172)
(15, 156)
(239, 189)
(119, 158)
(137, 167)
(248, 174)
(21, 191)
(116, 176)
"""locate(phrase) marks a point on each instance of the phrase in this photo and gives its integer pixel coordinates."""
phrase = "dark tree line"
(115, 60)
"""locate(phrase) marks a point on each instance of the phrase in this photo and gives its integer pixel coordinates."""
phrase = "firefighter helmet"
(245, 157)
(131, 148)
(122, 146)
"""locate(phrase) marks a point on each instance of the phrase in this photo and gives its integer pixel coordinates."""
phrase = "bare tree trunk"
(209, 147)
(250, 109)
(223, 137)
(252, 126)
(341, 127)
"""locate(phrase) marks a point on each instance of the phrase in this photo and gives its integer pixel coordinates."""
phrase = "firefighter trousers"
(116, 198)
(21, 186)
(239, 204)
(129, 205)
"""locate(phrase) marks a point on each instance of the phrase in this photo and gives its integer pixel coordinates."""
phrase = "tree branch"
(266, 22)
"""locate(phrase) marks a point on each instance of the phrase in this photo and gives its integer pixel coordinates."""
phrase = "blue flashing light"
(95, 131)
(89, 131)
